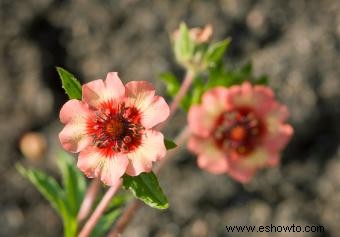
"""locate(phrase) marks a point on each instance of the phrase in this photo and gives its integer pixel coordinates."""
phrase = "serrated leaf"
(70, 84)
(104, 223)
(146, 188)
(73, 181)
(47, 186)
(216, 51)
(169, 144)
(172, 84)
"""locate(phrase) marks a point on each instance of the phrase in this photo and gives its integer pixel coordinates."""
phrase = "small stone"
(33, 146)
(199, 228)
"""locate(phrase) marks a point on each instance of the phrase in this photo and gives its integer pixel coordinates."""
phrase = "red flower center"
(239, 131)
(116, 128)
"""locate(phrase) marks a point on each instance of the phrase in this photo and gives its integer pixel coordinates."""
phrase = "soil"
(295, 42)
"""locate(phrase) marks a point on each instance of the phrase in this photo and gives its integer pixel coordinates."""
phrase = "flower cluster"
(238, 130)
(112, 128)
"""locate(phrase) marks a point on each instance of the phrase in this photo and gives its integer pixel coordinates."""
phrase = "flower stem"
(89, 198)
(125, 219)
(189, 77)
(128, 214)
(98, 212)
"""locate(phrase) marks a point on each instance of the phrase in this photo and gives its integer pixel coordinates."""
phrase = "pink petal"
(241, 175)
(277, 139)
(74, 111)
(279, 112)
(114, 169)
(151, 149)
(260, 98)
(74, 135)
(154, 109)
(215, 165)
(74, 138)
(256, 159)
(215, 101)
(98, 91)
(202, 118)
(209, 158)
(95, 164)
(200, 121)
(243, 169)
(274, 159)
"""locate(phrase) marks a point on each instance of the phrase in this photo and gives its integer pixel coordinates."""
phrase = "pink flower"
(238, 130)
(112, 128)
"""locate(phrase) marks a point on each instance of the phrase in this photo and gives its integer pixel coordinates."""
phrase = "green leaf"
(172, 84)
(216, 51)
(196, 95)
(73, 181)
(119, 200)
(184, 46)
(262, 80)
(65, 202)
(169, 144)
(104, 223)
(48, 187)
(70, 84)
(246, 70)
(186, 102)
(146, 188)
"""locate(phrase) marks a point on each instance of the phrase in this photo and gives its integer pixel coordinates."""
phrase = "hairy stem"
(189, 77)
(98, 212)
(89, 198)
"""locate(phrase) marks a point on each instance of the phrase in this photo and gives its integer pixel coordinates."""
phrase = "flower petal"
(259, 98)
(98, 91)
(151, 149)
(241, 175)
(210, 158)
(215, 101)
(274, 159)
(74, 137)
(277, 139)
(202, 118)
(154, 109)
(74, 111)
(95, 164)
(243, 169)
(256, 159)
(200, 122)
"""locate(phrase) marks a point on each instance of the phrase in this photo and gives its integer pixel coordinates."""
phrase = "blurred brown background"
(295, 42)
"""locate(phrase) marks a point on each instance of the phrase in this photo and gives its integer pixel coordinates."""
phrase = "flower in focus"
(238, 130)
(112, 128)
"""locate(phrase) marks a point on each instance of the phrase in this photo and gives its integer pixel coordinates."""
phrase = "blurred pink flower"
(111, 127)
(238, 130)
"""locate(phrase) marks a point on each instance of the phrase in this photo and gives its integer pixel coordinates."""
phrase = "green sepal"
(169, 144)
